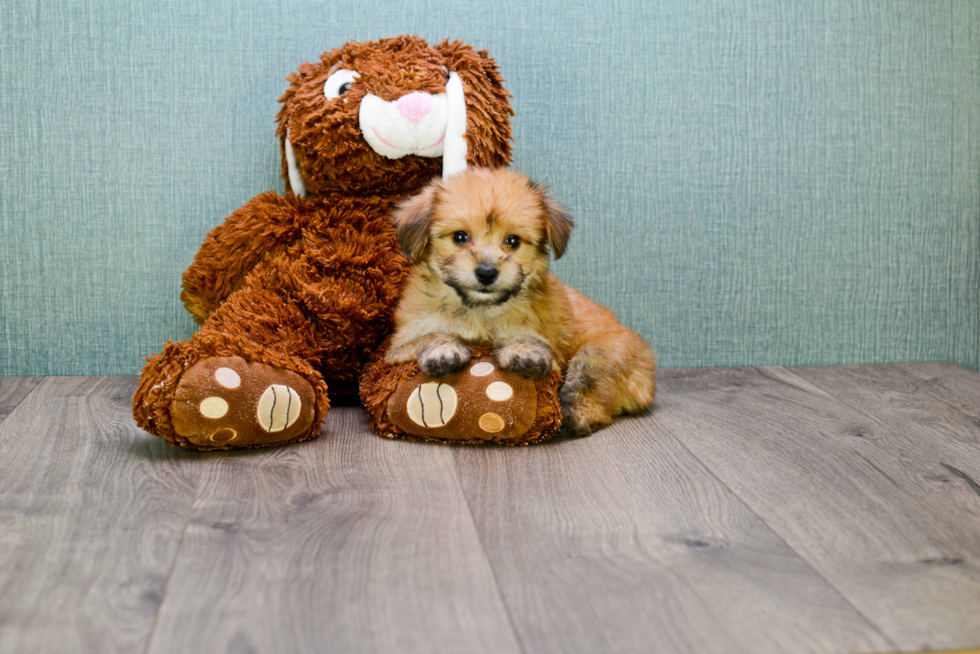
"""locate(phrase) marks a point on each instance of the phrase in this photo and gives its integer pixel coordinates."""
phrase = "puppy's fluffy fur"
(480, 241)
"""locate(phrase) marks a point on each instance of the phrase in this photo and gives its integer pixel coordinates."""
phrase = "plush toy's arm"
(265, 226)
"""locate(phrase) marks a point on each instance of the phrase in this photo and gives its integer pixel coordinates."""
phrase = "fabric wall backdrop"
(758, 182)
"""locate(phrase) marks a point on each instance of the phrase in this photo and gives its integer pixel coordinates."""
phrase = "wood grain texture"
(941, 414)
(347, 543)
(13, 390)
(755, 510)
(91, 510)
(864, 495)
(623, 542)
(948, 383)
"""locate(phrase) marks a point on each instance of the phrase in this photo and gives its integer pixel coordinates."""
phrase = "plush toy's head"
(389, 115)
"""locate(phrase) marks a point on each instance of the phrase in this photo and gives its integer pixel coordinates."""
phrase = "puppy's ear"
(557, 223)
(412, 219)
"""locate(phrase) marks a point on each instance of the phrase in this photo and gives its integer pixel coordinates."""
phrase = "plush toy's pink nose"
(414, 106)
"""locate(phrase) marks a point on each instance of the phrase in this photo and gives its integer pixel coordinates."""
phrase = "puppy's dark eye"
(461, 237)
(512, 241)
(344, 88)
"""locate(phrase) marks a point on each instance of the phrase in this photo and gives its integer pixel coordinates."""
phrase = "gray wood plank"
(347, 543)
(860, 494)
(13, 390)
(942, 417)
(953, 384)
(623, 542)
(92, 510)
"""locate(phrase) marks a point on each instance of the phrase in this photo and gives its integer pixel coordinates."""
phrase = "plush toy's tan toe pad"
(479, 403)
(230, 402)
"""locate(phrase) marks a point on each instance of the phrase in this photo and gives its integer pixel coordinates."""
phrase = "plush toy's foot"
(481, 402)
(230, 402)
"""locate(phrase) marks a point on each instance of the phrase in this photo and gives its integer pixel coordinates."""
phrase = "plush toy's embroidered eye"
(461, 237)
(512, 241)
(339, 83)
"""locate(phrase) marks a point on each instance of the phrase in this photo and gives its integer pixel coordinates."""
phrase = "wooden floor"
(828, 509)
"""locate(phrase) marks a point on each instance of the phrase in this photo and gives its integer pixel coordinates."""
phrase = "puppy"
(480, 241)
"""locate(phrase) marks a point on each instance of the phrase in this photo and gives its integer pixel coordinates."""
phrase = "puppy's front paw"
(529, 359)
(444, 358)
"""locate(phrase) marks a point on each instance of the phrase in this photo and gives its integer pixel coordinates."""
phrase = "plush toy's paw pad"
(227, 401)
(438, 400)
(480, 403)
(278, 408)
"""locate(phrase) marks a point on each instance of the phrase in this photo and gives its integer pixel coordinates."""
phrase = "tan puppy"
(480, 241)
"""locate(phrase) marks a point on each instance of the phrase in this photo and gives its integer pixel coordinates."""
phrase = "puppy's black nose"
(486, 274)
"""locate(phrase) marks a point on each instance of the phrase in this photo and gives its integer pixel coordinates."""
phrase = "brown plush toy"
(295, 293)
(479, 404)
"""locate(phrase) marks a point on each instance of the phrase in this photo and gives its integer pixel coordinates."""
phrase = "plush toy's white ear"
(295, 180)
(454, 147)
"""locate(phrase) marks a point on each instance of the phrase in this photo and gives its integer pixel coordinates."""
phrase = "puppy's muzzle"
(486, 274)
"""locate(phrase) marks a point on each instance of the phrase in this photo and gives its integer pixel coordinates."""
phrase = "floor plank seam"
(173, 566)
(778, 535)
(937, 396)
(486, 557)
(21, 400)
(879, 421)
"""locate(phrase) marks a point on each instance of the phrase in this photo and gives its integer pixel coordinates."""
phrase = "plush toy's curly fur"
(309, 284)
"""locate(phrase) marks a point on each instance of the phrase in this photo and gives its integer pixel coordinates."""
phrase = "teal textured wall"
(755, 182)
